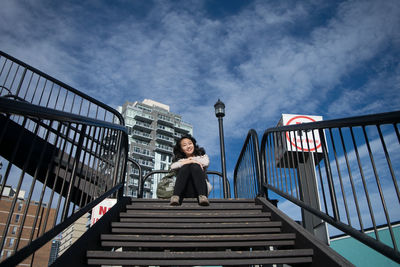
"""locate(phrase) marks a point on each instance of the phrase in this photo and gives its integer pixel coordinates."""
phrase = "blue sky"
(261, 58)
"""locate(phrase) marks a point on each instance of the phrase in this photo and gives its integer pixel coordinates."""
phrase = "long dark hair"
(179, 154)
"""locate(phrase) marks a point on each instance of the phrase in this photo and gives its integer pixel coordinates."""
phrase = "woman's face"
(187, 147)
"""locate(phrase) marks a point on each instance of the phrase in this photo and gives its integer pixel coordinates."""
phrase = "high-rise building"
(152, 130)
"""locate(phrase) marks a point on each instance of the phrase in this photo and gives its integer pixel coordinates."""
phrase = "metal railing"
(247, 173)
(214, 177)
(62, 152)
(343, 171)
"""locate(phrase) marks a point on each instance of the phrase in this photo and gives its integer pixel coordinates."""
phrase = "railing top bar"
(251, 134)
(66, 86)
(381, 118)
(27, 109)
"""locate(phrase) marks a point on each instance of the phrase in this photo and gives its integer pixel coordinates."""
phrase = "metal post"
(223, 163)
(220, 113)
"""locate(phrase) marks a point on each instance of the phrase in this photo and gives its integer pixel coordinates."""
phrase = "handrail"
(148, 175)
(248, 169)
(342, 171)
(64, 85)
(26, 251)
(35, 111)
(60, 150)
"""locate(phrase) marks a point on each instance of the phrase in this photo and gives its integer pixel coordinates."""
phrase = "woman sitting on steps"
(191, 163)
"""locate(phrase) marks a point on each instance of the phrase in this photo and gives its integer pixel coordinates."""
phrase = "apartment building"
(152, 130)
(33, 215)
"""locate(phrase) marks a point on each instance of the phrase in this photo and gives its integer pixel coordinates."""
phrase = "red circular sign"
(300, 141)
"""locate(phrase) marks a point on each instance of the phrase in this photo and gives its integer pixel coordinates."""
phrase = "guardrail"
(61, 151)
(247, 173)
(343, 171)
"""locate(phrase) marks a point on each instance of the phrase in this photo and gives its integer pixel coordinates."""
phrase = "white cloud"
(178, 55)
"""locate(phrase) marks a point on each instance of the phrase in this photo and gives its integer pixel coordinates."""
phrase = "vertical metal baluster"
(328, 170)
(293, 163)
(20, 82)
(340, 178)
(371, 212)
(49, 97)
(17, 190)
(29, 85)
(378, 183)
(351, 180)
(286, 159)
(43, 90)
(321, 180)
(63, 144)
(389, 162)
(95, 166)
(82, 167)
(75, 166)
(34, 179)
(6, 78)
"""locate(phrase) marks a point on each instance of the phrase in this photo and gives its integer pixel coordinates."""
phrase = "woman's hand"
(190, 161)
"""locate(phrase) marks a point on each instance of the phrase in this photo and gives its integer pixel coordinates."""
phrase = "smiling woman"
(191, 162)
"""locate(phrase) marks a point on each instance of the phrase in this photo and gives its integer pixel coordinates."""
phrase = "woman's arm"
(203, 160)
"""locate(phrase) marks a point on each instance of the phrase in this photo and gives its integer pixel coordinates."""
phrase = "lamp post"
(220, 113)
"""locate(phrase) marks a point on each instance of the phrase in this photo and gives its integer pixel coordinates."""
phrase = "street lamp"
(220, 113)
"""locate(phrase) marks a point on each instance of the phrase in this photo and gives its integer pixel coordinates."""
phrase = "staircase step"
(202, 225)
(185, 245)
(193, 200)
(190, 214)
(200, 258)
(197, 231)
(195, 220)
(193, 206)
(197, 238)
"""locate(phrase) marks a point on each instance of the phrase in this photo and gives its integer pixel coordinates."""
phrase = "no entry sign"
(307, 141)
(101, 209)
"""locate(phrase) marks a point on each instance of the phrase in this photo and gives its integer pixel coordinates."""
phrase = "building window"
(19, 206)
(11, 242)
(17, 216)
(14, 230)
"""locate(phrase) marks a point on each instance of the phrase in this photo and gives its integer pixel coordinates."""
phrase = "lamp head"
(219, 109)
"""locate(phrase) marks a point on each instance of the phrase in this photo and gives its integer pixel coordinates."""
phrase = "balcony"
(165, 120)
(165, 130)
(141, 135)
(143, 153)
(141, 116)
(165, 139)
(183, 127)
(143, 126)
(164, 148)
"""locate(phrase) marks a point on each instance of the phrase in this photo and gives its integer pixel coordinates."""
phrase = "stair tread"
(202, 225)
(188, 214)
(186, 245)
(193, 220)
(193, 206)
(200, 254)
(193, 200)
(197, 231)
(199, 238)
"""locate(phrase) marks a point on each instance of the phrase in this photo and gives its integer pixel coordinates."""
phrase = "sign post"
(306, 147)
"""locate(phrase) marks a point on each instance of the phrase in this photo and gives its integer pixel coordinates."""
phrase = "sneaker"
(174, 201)
(203, 201)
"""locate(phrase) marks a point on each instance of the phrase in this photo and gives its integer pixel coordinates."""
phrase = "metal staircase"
(229, 232)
